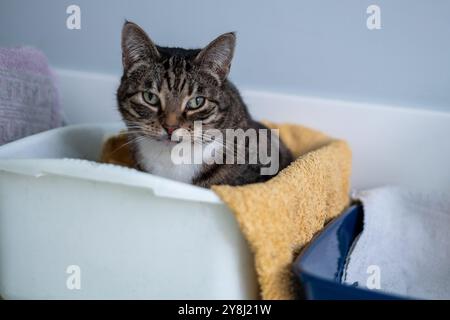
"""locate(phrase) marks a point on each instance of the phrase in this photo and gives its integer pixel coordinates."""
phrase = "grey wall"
(312, 47)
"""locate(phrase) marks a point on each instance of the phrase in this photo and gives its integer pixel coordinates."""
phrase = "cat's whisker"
(142, 131)
(135, 140)
(236, 151)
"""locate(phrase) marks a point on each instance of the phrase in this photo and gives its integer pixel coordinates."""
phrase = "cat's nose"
(170, 129)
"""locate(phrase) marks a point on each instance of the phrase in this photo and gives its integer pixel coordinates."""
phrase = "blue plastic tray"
(321, 264)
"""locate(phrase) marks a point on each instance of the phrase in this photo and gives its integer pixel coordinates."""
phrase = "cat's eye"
(196, 103)
(150, 98)
(142, 111)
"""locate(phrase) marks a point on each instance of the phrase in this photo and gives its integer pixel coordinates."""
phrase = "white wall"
(304, 47)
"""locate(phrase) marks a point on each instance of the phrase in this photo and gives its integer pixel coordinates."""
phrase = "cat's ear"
(136, 45)
(216, 57)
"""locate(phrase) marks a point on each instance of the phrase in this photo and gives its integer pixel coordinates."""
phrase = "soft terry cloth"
(280, 216)
(29, 100)
(406, 236)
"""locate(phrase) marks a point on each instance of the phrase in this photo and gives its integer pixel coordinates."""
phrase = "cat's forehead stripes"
(175, 78)
(175, 73)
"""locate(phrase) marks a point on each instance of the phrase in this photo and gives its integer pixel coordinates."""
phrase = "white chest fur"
(155, 157)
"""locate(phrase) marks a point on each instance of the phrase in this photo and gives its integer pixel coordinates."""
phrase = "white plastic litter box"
(130, 235)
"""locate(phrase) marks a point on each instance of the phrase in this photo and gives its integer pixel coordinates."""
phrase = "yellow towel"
(280, 216)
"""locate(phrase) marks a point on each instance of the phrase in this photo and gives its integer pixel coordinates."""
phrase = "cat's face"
(164, 89)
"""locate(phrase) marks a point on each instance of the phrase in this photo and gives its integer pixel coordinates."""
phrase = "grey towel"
(404, 247)
(29, 100)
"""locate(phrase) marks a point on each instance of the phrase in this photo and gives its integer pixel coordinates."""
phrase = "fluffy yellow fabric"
(116, 151)
(280, 216)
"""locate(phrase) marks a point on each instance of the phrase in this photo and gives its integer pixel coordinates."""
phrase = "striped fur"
(175, 76)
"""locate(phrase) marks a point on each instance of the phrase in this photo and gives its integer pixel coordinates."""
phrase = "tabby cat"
(164, 89)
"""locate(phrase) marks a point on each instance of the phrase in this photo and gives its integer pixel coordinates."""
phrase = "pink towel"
(29, 99)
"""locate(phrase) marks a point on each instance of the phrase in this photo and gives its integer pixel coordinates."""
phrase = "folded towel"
(405, 243)
(29, 100)
(280, 216)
